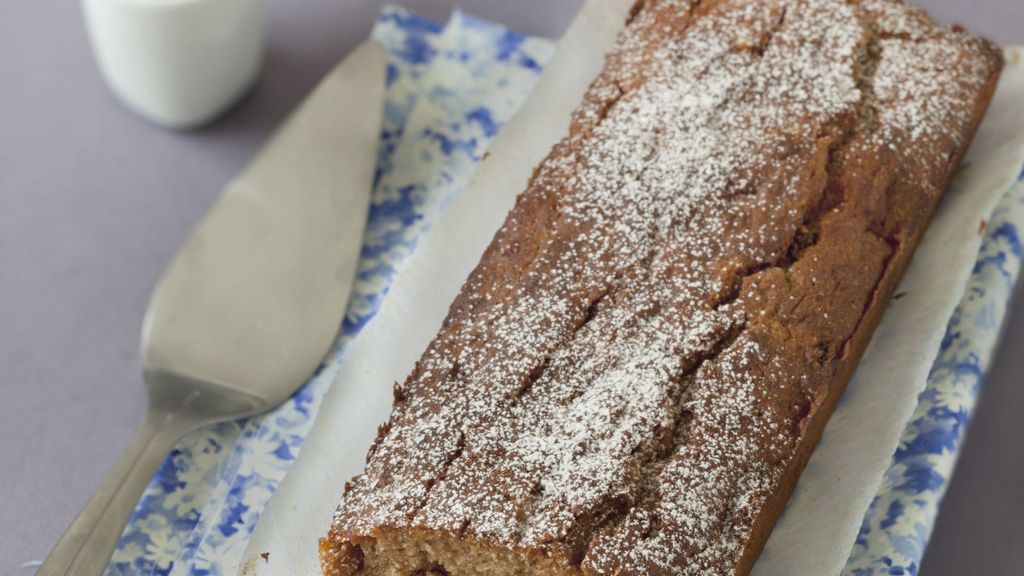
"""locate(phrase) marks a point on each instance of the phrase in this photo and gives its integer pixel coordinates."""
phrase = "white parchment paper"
(815, 534)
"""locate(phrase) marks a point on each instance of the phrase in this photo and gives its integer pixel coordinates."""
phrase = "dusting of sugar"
(604, 388)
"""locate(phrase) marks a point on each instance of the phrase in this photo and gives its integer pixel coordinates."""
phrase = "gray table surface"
(94, 201)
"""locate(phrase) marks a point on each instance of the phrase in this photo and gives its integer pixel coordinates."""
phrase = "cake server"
(250, 305)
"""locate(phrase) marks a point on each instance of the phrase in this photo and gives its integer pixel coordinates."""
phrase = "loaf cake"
(634, 375)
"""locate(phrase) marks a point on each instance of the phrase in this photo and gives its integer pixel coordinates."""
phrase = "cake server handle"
(86, 546)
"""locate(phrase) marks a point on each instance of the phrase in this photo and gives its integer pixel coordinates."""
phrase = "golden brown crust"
(635, 374)
(859, 341)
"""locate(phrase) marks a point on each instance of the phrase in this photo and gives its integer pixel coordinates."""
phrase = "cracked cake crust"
(634, 375)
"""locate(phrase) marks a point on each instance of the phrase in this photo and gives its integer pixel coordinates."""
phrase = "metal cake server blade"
(248, 308)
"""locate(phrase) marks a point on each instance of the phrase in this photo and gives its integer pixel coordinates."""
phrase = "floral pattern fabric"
(450, 87)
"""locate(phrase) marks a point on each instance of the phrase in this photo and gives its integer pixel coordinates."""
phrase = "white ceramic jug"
(179, 63)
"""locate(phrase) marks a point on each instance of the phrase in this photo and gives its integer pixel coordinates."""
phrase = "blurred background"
(94, 201)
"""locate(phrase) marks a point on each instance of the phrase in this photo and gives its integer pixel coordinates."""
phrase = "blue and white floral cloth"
(450, 88)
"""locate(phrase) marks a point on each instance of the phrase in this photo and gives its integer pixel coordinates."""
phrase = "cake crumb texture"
(632, 378)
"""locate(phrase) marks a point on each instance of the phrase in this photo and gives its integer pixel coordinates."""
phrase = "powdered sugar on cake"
(624, 378)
